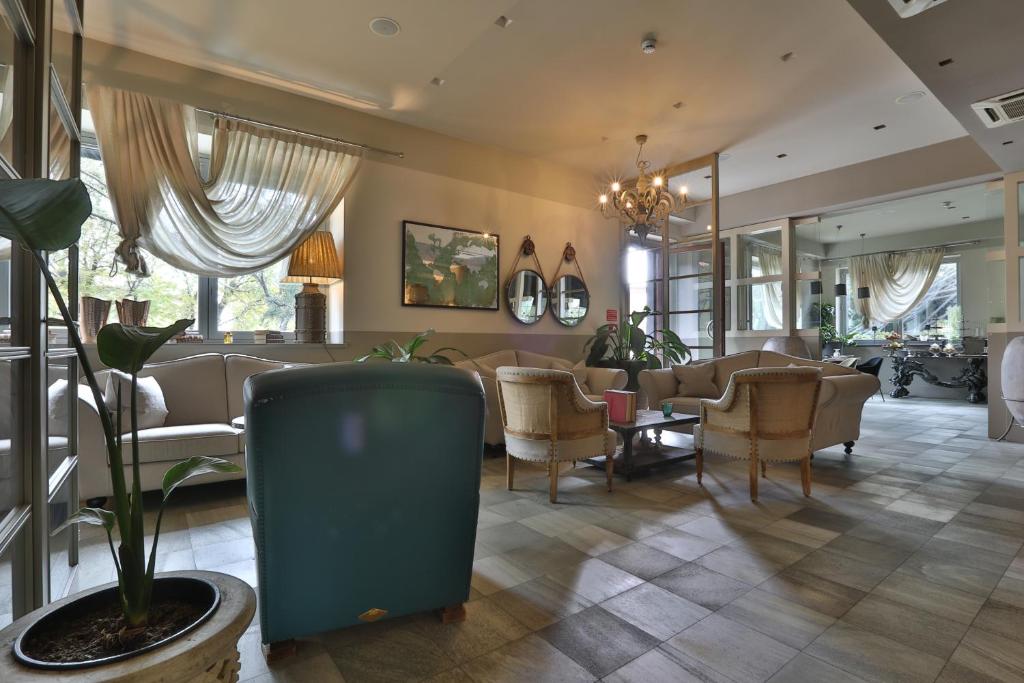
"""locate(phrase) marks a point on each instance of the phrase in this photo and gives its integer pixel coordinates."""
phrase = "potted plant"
(630, 348)
(143, 612)
(407, 353)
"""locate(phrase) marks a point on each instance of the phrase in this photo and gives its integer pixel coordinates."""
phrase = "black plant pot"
(194, 590)
(632, 368)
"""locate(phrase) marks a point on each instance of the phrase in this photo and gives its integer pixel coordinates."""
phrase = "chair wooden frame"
(753, 434)
(561, 381)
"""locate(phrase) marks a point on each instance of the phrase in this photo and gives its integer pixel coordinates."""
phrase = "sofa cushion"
(725, 366)
(171, 444)
(237, 368)
(580, 371)
(195, 389)
(696, 380)
(491, 361)
(529, 359)
(152, 410)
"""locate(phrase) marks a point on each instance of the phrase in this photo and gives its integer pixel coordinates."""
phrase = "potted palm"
(142, 612)
(630, 348)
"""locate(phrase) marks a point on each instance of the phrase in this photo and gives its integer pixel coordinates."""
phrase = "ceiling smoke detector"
(1001, 110)
(385, 26)
(910, 8)
(648, 45)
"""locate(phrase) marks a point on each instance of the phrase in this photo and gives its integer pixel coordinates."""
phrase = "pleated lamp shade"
(315, 261)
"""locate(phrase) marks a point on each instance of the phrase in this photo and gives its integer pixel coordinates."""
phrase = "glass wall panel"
(808, 305)
(691, 293)
(59, 410)
(8, 42)
(760, 306)
(60, 508)
(11, 458)
(11, 590)
(692, 328)
(997, 291)
(63, 41)
(760, 253)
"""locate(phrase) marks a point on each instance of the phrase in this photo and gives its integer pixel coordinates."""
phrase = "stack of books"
(621, 405)
(260, 336)
(275, 337)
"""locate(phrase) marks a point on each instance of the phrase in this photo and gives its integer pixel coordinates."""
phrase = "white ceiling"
(971, 204)
(567, 81)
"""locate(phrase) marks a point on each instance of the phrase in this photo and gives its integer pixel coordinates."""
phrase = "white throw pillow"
(152, 407)
(57, 407)
(579, 371)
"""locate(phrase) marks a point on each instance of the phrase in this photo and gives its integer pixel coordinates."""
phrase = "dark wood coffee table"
(648, 453)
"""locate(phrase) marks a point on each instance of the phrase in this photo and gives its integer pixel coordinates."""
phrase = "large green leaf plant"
(630, 343)
(47, 215)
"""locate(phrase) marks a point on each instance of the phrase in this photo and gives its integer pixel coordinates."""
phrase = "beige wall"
(441, 180)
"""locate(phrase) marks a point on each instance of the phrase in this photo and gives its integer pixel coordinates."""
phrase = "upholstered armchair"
(766, 415)
(548, 420)
(364, 489)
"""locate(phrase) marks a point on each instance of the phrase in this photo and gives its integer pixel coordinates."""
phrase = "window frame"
(842, 305)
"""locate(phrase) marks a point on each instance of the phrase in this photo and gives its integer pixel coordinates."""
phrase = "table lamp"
(313, 263)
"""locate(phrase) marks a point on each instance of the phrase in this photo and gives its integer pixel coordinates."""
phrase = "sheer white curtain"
(267, 190)
(897, 281)
(771, 264)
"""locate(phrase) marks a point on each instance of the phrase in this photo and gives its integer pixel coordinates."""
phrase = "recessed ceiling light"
(678, 105)
(781, 156)
(604, 138)
(963, 218)
(502, 21)
(786, 57)
(1008, 142)
(437, 81)
(910, 96)
(946, 62)
(384, 26)
(707, 177)
(879, 126)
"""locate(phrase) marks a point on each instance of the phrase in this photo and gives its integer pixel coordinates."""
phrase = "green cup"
(666, 409)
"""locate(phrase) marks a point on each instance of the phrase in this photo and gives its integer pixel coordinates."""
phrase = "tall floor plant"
(46, 215)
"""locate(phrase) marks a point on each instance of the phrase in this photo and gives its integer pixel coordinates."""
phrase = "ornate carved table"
(972, 377)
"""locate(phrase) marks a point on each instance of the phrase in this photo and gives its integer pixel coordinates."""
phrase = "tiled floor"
(905, 565)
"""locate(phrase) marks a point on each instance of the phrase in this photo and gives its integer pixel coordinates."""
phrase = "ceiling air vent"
(908, 8)
(999, 111)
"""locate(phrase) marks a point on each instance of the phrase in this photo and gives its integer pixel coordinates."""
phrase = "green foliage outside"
(248, 302)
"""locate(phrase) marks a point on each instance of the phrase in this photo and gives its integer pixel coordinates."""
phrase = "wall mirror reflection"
(526, 291)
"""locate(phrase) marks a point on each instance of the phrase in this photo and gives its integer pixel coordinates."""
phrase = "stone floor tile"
(702, 586)
(815, 592)
(735, 650)
(529, 659)
(773, 615)
(655, 610)
(598, 640)
(683, 545)
(874, 657)
(540, 602)
(642, 560)
(595, 580)
(908, 625)
(942, 601)
(842, 569)
(984, 656)
(805, 669)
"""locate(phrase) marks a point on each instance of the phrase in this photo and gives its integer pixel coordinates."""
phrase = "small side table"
(649, 454)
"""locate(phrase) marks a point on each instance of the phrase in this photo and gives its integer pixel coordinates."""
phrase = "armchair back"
(364, 489)
(766, 403)
(545, 404)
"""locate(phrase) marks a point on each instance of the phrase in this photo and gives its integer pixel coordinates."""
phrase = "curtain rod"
(962, 243)
(295, 131)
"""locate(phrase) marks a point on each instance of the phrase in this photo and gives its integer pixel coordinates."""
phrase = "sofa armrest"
(94, 471)
(600, 380)
(658, 385)
(856, 388)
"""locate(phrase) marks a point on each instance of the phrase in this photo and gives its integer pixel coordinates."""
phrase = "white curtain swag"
(898, 281)
(267, 190)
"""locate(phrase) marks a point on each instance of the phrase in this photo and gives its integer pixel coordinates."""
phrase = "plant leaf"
(96, 516)
(127, 348)
(43, 215)
(193, 467)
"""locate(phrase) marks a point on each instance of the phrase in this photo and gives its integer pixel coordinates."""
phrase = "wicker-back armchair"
(547, 419)
(766, 415)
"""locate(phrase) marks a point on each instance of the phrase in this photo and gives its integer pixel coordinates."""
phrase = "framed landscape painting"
(449, 267)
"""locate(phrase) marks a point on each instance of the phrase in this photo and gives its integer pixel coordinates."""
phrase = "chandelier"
(642, 208)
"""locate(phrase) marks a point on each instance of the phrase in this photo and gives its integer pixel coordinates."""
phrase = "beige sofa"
(203, 395)
(840, 403)
(597, 380)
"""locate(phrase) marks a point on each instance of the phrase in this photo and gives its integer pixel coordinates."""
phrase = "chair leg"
(753, 480)
(553, 476)
(609, 470)
(805, 475)
(764, 469)
(1008, 427)
(282, 649)
(699, 459)
(510, 470)
(452, 613)
(882, 394)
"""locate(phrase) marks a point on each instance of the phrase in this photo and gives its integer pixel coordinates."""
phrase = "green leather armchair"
(364, 489)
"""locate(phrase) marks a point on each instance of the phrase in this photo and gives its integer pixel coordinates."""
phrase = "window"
(258, 301)
(937, 314)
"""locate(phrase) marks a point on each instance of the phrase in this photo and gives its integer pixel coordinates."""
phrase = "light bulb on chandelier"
(644, 207)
